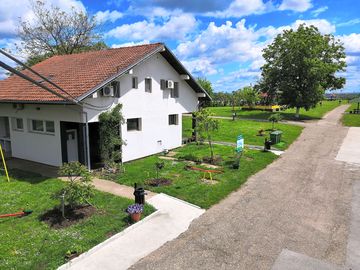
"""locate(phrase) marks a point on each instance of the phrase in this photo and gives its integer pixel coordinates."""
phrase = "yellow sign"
(3, 160)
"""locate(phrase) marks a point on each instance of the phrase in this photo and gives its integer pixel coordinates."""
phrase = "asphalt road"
(301, 202)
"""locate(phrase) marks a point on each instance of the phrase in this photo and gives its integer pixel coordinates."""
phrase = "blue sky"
(220, 40)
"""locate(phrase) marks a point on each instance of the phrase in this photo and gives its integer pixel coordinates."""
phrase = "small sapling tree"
(205, 127)
(78, 189)
(274, 118)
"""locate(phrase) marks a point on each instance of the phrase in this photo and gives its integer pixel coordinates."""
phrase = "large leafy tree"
(56, 32)
(300, 65)
(248, 95)
(206, 85)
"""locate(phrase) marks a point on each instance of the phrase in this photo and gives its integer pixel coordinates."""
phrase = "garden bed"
(188, 184)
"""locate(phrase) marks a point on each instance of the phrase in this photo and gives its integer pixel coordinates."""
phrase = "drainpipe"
(86, 141)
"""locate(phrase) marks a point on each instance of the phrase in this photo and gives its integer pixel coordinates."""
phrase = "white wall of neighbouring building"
(38, 147)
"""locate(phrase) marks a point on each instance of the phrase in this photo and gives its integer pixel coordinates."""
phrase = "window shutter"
(135, 82)
(116, 86)
(176, 90)
(162, 84)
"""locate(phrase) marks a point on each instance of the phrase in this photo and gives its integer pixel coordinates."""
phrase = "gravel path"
(301, 202)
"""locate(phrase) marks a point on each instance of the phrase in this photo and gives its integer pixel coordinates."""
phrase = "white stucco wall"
(38, 147)
(153, 109)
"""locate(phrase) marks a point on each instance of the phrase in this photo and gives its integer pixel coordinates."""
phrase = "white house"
(52, 128)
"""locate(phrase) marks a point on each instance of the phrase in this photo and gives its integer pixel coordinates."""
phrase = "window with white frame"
(173, 119)
(18, 124)
(42, 126)
(133, 124)
(148, 85)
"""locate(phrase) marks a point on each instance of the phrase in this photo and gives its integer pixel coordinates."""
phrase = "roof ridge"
(103, 50)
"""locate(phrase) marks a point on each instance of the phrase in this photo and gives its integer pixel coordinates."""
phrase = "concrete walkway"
(172, 218)
(117, 189)
(299, 207)
(350, 148)
(301, 123)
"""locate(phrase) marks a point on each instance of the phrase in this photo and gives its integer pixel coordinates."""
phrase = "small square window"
(135, 82)
(148, 86)
(173, 119)
(37, 125)
(50, 126)
(19, 124)
(133, 124)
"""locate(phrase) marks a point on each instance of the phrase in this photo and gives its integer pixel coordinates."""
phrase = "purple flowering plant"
(135, 208)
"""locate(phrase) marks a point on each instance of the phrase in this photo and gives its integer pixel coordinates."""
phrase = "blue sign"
(239, 144)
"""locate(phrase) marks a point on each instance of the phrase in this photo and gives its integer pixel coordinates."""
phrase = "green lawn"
(187, 184)
(351, 120)
(229, 130)
(316, 113)
(28, 243)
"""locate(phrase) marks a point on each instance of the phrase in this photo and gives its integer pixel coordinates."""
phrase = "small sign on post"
(239, 144)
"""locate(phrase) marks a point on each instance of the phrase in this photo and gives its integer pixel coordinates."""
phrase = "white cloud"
(107, 15)
(176, 27)
(319, 10)
(324, 26)
(240, 8)
(295, 5)
(200, 66)
(11, 11)
(351, 42)
(349, 23)
(127, 44)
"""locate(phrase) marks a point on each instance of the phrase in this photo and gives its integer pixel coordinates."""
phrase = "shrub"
(79, 189)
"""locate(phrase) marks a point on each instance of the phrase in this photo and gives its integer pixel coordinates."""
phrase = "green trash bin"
(275, 137)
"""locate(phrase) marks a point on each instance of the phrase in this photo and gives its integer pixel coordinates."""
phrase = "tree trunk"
(211, 149)
(297, 114)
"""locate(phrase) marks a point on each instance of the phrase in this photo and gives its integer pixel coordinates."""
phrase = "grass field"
(28, 243)
(187, 184)
(351, 120)
(316, 113)
(229, 130)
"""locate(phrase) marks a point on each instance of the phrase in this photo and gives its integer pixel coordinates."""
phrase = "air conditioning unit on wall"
(170, 84)
(108, 91)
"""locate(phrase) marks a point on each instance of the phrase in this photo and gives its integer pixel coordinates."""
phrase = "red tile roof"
(75, 73)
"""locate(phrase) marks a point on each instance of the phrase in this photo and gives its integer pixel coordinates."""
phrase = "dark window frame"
(134, 124)
(173, 119)
(148, 85)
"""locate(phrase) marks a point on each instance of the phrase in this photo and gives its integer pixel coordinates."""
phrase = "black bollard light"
(139, 194)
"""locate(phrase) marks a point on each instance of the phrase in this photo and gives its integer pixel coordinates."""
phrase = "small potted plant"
(135, 211)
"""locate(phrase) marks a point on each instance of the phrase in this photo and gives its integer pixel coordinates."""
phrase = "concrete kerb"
(179, 200)
(164, 209)
(107, 241)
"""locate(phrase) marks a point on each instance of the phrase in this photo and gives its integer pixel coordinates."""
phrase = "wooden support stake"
(3, 160)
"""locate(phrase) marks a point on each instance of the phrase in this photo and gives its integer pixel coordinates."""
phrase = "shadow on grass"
(25, 176)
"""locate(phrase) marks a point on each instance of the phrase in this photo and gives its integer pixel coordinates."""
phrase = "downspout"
(86, 141)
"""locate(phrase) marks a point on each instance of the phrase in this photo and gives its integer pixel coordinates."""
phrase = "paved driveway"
(301, 202)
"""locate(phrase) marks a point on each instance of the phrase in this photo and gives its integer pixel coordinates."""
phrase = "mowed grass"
(229, 130)
(313, 114)
(351, 120)
(187, 184)
(28, 243)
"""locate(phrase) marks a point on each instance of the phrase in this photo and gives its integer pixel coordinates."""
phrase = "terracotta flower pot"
(135, 217)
